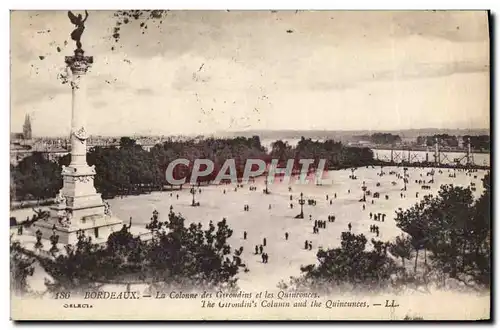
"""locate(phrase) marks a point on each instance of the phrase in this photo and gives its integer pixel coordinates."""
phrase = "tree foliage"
(176, 256)
(385, 138)
(36, 177)
(477, 142)
(349, 265)
(21, 266)
(130, 169)
(456, 231)
(402, 248)
(334, 153)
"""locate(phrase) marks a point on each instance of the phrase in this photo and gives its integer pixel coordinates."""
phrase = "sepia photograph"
(250, 165)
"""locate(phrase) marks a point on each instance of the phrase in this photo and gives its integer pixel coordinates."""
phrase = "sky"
(204, 72)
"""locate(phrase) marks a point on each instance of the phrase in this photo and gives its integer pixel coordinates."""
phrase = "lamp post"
(193, 192)
(266, 191)
(363, 187)
(301, 202)
(405, 169)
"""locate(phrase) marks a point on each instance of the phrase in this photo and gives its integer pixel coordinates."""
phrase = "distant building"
(16, 137)
(359, 144)
(27, 134)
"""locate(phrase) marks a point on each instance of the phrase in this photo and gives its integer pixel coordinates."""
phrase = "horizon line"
(264, 131)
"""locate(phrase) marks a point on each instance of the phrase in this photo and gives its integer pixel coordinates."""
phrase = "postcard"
(250, 165)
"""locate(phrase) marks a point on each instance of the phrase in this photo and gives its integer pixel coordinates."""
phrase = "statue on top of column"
(79, 23)
(78, 64)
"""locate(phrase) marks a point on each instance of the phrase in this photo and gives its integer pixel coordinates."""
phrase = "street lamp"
(193, 192)
(363, 187)
(266, 191)
(301, 202)
(404, 177)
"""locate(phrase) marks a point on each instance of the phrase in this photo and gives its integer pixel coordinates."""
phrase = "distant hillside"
(348, 135)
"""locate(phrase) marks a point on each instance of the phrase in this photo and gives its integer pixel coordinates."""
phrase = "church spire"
(27, 127)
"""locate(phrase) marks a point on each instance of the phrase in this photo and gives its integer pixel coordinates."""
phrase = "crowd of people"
(318, 224)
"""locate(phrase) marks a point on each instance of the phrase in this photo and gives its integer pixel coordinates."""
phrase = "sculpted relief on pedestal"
(81, 134)
(84, 179)
(60, 200)
(65, 220)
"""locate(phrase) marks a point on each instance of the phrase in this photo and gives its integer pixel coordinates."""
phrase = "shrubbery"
(175, 256)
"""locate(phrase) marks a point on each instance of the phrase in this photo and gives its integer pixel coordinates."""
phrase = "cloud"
(200, 71)
(334, 85)
(407, 71)
(144, 91)
(430, 70)
(106, 82)
(99, 104)
(32, 93)
(456, 26)
(186, 78)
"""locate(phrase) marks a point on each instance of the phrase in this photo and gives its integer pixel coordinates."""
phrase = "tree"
(36, 177)
(478, 142)
(21, 266)
(451, 218)
(385, 138)
(401, 248)
(130, 169)
(479, 259)
(455, 229)
(348, 265)
(126, 142)
(192, 256)
(80, 268)
(415, 223)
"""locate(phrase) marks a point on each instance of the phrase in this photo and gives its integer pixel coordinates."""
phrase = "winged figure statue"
(79, 23)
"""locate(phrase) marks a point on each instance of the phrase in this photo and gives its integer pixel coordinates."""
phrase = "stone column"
(78, 187)
(78, 64)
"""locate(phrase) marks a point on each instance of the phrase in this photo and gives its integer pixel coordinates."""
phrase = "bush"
(176, 256)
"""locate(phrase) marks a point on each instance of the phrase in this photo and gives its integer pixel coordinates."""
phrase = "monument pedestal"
(99, 228)
(79, 209)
